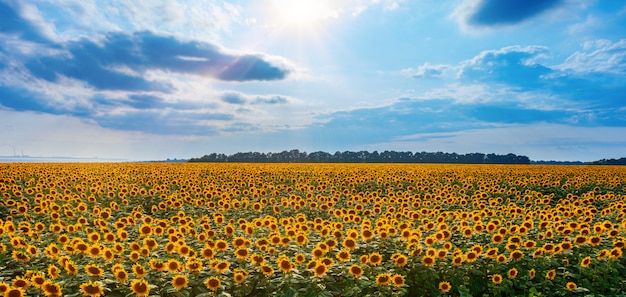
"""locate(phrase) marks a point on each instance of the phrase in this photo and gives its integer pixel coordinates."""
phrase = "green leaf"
(464, 292)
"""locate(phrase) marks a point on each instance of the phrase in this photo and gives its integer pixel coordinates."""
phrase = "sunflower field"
(235, 229)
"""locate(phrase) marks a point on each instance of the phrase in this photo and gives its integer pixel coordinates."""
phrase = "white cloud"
(428, 71)
(598, 56)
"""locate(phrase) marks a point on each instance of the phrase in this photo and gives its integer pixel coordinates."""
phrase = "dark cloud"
(11, 22)
(108, 64)
(489, 13)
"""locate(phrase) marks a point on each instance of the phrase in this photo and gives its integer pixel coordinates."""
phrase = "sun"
(301, 13)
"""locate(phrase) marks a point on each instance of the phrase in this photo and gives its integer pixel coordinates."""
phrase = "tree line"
(620, 161)
(296, 156)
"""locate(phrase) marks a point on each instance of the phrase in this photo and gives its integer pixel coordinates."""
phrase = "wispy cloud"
(239, 98)
(600, 56)
(430, 71)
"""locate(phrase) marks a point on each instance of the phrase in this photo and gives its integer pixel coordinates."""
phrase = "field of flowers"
(158, 229)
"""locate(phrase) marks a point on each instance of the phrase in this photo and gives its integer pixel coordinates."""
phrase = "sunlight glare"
(302, 12)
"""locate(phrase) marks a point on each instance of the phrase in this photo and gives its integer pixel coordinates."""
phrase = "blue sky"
(146, 79)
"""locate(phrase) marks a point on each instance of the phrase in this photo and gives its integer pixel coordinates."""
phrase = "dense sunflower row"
(310, 230)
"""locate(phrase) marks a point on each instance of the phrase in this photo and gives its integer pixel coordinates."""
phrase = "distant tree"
(295, 155)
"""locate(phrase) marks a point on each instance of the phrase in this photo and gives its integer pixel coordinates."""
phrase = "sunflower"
(383, 278)
(516, 255)
(300, 258)
(140, 287)
(194, 265)
(14, 292)
(157, 265)
(53, 271)
(221, 245)
(501, 258)
(121, 275)
(94, 270)
(343, 255)
(615, 253)
(551, 274)
(240, 275)
(496, 278)
(3, 286)
(184, 250)
(207, 253)
(21, 282)
(571, 286)
(400, 260)
(512, 273)
(355, 270)
(529, 244)
(174, 265)
(150, 243)
(531, 273)
(471, 256)
(428, 261)
(212, 283)
(492, 253)
(397, 280)
(139, 270)
(301, 239)
(457, 260)
(239, 242)
(317, 252)
(70, 268)
(222, 266)
(602, 254)
(20, 256)
(285, 264)
(51, 289)
(38, 279)
(257, 259)
(375, 259)
(91, 289)
(349, 243)
(320, 270)
(444, 287)
(170, 247)
(134, 256)
(585, 262)
(93, 237)
(594, 240)
(497, 238)
(179, 281)
(267, 270)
